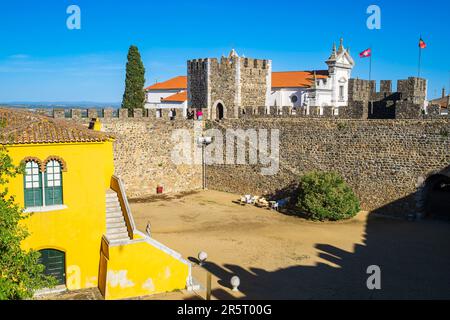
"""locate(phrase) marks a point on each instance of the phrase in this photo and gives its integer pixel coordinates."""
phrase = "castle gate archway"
(218, 110)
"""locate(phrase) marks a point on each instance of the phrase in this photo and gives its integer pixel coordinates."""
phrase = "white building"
(298, 89)
(170, 94)
(320, 88)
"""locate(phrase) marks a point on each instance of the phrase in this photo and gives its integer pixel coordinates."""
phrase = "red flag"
(422, 44)
(366, 53)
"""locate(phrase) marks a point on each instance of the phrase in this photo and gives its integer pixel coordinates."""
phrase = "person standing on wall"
(199, 114)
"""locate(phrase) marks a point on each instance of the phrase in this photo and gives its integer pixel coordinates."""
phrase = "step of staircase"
(113, 209)
(112, 202)
(117, 230)
(114, 214)
(116, 227)
(114, 220)
(118, 236)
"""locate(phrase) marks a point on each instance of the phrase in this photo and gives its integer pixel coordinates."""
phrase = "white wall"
(154, 96)
(281, 97)
(181, 107)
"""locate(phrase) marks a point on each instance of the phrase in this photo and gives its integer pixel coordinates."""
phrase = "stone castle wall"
(142, 155)
(254, 76)
(235, 82)
(198, 83)
(406, 103)
(223, 84)
(369, 153)
(382, 160)
(413, 90)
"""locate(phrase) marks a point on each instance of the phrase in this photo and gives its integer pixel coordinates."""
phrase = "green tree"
(326, 196)
(134, 95)
(20, 272)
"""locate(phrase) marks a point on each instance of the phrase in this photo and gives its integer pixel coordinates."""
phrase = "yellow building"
(81, 221)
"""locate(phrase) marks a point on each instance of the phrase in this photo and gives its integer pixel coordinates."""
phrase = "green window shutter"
(32, 185)
(53, 184)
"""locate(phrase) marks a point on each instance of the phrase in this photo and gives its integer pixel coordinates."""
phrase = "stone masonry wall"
(236, 82)
(382, 160)
(223, 84)
(142, 156)
(253, 82)
(197, 83)
(406, 103)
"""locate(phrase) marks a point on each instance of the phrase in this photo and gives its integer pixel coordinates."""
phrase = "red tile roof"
(177, 97)
(296, 79)
(24, 127)
(179, 82)
(286, 79)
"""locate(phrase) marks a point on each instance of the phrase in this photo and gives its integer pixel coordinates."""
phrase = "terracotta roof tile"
(178, 97)
(286, 79)
(23, 127)
(296, 79)
(179, 82)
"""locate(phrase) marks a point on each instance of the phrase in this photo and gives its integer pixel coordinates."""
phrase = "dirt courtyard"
(283, 257)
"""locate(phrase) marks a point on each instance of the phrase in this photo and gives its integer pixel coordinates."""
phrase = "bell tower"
(340, 66)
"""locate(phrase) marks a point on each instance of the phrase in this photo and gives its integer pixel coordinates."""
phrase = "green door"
(55, 264)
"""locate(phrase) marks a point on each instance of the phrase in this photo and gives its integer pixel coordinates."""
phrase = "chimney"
(443, 92)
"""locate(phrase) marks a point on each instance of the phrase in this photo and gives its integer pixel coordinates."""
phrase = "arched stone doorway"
(436, 195)
(219, 111)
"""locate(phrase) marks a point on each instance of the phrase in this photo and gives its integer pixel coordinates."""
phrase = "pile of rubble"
(262, 202)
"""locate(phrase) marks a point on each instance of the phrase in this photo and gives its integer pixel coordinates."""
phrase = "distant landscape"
(60, 104)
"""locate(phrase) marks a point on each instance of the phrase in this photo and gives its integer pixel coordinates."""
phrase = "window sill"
(45, 209)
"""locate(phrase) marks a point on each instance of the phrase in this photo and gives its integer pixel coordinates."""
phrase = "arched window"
(32, 185)
(53, 183)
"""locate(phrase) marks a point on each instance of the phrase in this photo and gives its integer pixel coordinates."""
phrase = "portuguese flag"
(422, 44)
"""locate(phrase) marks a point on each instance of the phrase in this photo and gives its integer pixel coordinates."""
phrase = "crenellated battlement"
(105, 113)
(407, 102)
(196, 65)
(222, 86)
(412, 89)
(357, 110)
(230, 62)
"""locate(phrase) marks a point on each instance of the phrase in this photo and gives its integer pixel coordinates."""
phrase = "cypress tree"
(134, 95)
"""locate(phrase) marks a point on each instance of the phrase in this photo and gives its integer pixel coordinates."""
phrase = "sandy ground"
(283, 257)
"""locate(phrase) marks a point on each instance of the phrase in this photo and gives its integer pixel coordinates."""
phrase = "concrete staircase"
(116, 228)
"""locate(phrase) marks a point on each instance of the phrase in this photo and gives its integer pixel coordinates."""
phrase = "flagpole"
(420, 57)
(420, 61)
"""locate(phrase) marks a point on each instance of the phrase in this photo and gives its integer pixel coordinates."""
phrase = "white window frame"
(341, 93)
(44, 207)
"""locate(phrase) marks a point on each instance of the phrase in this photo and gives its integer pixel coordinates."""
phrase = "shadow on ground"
(163, 197)
(408, 269)
(413, 256)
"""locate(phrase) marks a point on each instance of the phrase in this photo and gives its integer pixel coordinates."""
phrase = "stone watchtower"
(224, 88)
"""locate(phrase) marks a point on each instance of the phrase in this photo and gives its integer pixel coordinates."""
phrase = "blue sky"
(42, 60)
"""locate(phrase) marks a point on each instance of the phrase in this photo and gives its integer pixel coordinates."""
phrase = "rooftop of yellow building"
(24, 127)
